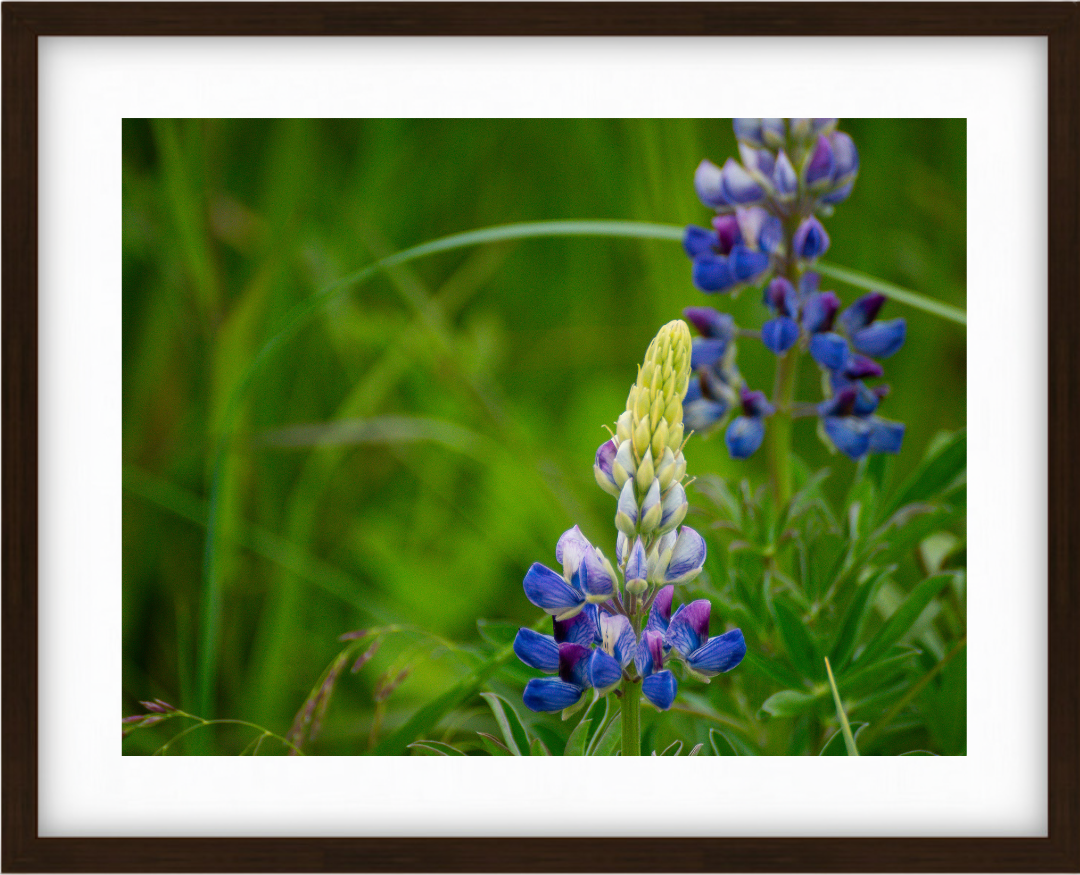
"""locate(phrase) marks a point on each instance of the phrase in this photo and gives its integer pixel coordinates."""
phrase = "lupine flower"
(849, 422)
(688, 636)
(745, 433)
(790, 174)
(594, 644)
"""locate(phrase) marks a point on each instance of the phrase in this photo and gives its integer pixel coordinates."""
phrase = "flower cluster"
(613, 623)
(767, 232)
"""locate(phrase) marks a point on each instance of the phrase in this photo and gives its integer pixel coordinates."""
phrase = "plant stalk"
(631, 718)
(778, 434)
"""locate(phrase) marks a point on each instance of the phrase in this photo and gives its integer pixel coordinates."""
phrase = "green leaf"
(611, 738)
(799, 645)
(575, 744)
(789, 703)
(672, 750)
(941, 466)
(515, 735)
(771, 668)
(836, 746)
(493, 746)
(903, 618)
(895, 292)
(437, 748)
(851, 625)
(721, 744)
(845, 728)
(918, 753)
(539, 749)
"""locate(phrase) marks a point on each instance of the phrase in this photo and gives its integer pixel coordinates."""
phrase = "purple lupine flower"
(688, 636)
(658, 684)
(811, 240)
(878, 339)
(746, 432)
(849, 422)
(587, 577)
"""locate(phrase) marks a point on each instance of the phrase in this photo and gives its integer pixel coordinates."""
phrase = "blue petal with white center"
(660, 689)
(636, 567)
(550, 694)
(737, 186)
(618, 639)
(719, 654)
(549, 592)
(708, 181)
(687, 557)
(689, 628)
(537, 651)
(583, 628)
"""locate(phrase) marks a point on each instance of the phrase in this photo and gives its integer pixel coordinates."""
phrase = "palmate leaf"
(851, 625)
(942, 465)
(722, 745)
(795, 635)
(790, 703)
(610, 739)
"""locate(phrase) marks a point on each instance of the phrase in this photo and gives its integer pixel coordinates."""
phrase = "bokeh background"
(428, 434)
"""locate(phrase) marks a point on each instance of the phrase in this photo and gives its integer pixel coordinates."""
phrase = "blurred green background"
(469, 389)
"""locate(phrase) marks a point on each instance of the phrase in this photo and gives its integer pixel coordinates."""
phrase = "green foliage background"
(472, 386)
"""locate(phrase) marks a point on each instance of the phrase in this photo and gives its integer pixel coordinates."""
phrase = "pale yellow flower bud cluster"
(648, 467)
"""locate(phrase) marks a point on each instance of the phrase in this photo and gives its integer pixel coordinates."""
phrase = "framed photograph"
(409, 381)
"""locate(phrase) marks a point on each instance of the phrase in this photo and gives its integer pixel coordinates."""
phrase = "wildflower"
(745, 433)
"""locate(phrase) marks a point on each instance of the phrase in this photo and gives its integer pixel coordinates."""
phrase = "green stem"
(778, 434)
(631, 718)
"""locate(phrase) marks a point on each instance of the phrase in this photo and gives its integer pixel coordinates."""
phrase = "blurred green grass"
(499, 365)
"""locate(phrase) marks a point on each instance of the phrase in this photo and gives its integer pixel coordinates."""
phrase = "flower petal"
(737, 186)
(636, 564)
(689, 627)
(719, 654)
(550, 694)
(829, 350)
(549, 592)
(597, 576)
(660, 613)
(708, 180)
(650, 652)
(674, 507)
(571, 547)
(747, 264)
(819, 171)
(574, 663)
(660, 689)
(862, 312)
(618, 638)
(687, 557)
(849, 434)
(810, 240)
(779, 335)
(886, 436)
(711, 323)
(605, 456)
(881, 339)
(706, 351)
(785, 178)
(583, 629)
(697, 240)
(819, 311)
(537, 651)
(744, 435)
(604, 671)
(712, 273)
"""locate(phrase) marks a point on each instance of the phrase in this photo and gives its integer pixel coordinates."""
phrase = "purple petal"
(596, 580)
(537, 651)
(549, 592)
(550, 694)
(819, 311)
(571, 547)
(660, 689)
(748, 130)
(706, 351)
(781, 297)
(880, 339)
(574, 663)
(773, 132)
(719, 654)
(779, 335)
(702, 415)
(687, 558)
(727, 231)
(755, 403)
(845, 156)
(689, 627)
(711, 323)
(859, 367)
(744, 435)
(660, 613)
(650, 653)
(583, 629)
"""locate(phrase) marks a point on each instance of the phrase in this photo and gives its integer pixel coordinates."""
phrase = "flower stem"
(631, 718)
(778, 434)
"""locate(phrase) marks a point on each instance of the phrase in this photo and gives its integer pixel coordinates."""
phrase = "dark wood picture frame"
(25, 851)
